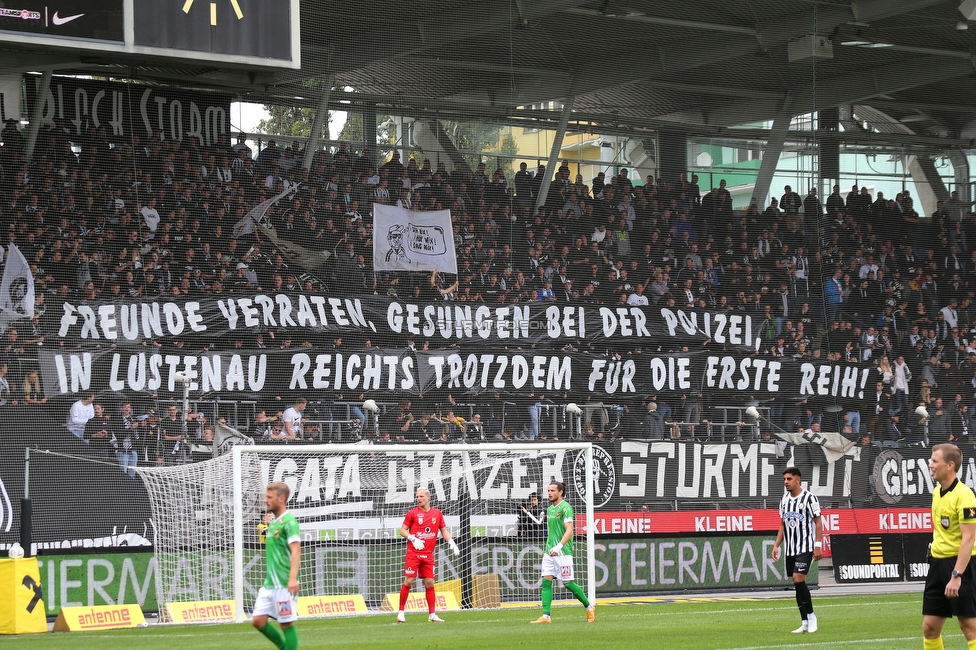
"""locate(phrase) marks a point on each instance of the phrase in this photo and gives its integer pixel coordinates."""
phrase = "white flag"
(16, 287)
(834, 445)
(248, 223)
(406, 240)
(296, 253)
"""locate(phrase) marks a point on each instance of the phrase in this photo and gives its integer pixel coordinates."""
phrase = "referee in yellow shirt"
(949, 587)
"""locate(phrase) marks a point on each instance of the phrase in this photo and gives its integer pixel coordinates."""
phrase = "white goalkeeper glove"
(454, 547)
(417, 542)
(557, 549)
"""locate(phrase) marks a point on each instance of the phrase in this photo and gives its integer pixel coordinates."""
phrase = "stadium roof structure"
(701, 67)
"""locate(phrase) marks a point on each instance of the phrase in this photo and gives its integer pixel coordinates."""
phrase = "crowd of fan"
(856, 278)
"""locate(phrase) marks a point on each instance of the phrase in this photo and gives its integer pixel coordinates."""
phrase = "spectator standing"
(100, 434)
(80, 413)
(291, 419)
(128, 434)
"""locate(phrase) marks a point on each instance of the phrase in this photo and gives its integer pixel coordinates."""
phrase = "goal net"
(350, 500)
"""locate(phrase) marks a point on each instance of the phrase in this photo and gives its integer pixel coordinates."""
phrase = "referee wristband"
(818, 545)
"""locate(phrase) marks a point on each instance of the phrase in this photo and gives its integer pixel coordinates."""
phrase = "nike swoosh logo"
(57, 20)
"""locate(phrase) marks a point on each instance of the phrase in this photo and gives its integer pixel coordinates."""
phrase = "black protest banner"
(398, 371)
(394, 321)
(130, 109)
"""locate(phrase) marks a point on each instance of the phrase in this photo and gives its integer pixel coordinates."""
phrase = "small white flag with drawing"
(407, 240)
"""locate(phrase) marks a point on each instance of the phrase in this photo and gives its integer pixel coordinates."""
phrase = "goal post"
(350, 500)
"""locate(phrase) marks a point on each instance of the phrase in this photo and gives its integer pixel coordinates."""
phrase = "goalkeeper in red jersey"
(420, 528)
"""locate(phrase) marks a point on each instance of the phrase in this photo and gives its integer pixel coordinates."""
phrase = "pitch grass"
(861, 622)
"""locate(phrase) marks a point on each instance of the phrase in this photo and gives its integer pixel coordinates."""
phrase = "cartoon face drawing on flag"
(395, 238)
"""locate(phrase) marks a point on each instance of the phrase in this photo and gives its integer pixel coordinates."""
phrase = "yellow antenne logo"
(213, 10)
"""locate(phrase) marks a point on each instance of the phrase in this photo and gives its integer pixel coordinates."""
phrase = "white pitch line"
(826, 643)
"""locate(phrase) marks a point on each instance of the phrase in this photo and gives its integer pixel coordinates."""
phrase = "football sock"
(273, 634)
(546, 596)
(404, 594)
(291, 637)
(934, 644)
(578, 592)
(431, 599)
(803, 600)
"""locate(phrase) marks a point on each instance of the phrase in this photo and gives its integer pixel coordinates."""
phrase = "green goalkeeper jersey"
(557, 518)
(282, 531)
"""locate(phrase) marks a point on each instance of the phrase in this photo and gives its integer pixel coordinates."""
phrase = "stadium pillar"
(320, 121)
(928, 184)
(960, 167)
(557, 144)
(369, 130)
(672, 149)
(770, 159)
(35, 118)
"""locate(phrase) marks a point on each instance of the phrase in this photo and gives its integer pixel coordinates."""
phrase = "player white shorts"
(560, 567)
(276, 603)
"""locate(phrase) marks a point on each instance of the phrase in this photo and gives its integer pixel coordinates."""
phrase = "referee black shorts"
(799, 563)
(934, 601)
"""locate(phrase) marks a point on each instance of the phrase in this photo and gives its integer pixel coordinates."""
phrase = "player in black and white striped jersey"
(802, 530)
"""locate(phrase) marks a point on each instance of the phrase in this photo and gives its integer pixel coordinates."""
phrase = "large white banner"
(406, 240)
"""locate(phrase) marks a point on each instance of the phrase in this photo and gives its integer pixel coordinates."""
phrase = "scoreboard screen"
(99, 20)
(237, 27)
(252, 33)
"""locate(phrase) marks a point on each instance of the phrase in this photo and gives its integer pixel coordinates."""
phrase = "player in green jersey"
(558, 560)
(278, 597)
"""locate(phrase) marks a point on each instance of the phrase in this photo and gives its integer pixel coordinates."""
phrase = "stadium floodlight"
(210, 511)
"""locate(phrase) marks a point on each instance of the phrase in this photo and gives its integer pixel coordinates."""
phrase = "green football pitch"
(863, 622)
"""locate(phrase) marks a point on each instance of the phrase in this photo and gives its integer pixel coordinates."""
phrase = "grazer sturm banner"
(409, 240)
(128, 322)
(399, 371)
(126, 109)
(640, 474)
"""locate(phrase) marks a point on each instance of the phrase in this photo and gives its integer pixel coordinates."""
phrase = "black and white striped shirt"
(798, 513)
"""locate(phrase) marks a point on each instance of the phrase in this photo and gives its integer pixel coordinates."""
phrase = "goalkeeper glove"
(417, 542)
(454, 547)
(558, 548)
